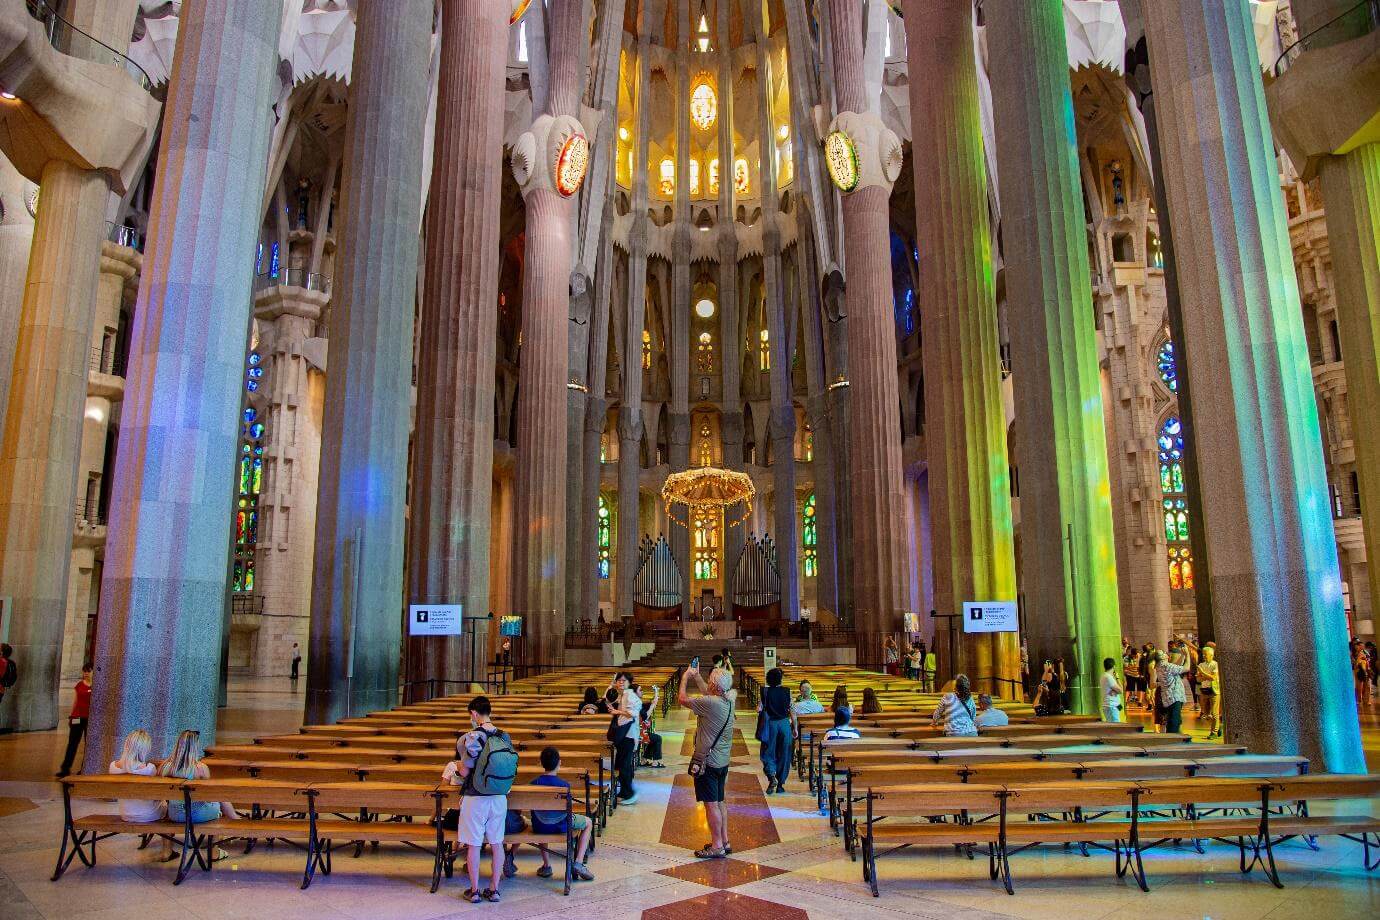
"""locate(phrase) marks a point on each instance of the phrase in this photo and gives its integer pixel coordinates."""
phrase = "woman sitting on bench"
(185, 762)
(134, 761)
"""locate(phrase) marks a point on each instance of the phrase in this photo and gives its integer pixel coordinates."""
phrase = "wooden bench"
(80, 835)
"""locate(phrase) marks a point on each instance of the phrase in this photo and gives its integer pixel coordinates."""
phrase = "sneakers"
(581, 872)
(544, 872)
(630, 800)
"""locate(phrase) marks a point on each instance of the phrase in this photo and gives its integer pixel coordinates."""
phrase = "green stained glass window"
(605, 528)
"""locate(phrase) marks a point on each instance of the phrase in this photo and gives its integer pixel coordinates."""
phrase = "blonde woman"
(134, 761)
(185, 763)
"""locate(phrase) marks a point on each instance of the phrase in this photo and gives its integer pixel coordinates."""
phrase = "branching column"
(452, 468)
(1272, 554)
(159, 633)
(877, 483)
(544, 364)
(361, 501)
(965, 421)
(1068, 557)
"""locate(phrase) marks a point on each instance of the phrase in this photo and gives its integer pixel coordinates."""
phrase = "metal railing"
(246, 603)
(68, 39)
(107, 361)
(1346, 503)
(122, 235)
(1361, 19)
(293, 277)
(88, 513)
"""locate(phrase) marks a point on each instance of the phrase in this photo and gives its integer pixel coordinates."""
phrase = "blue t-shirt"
(549, 822)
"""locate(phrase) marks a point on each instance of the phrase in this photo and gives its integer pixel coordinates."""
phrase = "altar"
(724, 630)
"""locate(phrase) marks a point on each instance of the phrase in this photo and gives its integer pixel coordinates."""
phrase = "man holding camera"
(712, 704)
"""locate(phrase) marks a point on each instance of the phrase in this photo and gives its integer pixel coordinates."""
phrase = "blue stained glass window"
(250, 414)
(1168, 366)
(273, 262)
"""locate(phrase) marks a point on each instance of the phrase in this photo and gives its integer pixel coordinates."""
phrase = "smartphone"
(695, 663)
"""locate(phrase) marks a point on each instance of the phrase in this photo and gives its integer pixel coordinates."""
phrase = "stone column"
(453, 447)
(730, 329)
(1272, 555)
(630, 422)
(876, 479)
(969, 484)
(162, 605)
(544, 364)
(16, 238)
(357, 580)
(679, 345)
(1068, 557)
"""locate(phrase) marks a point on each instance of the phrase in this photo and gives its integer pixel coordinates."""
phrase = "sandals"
(709, 853)
(544, 872)
(493, 897)
(728, 848)
(472, 896)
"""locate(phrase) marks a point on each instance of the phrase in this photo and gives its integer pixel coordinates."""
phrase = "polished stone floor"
(786, 865)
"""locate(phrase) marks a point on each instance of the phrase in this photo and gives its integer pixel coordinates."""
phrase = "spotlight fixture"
(841, 156)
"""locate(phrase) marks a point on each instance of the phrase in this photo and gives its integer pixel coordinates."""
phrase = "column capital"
(552, 155)
(861, 151)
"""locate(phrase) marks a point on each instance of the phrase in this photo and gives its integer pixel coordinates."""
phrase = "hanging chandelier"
(707, 488)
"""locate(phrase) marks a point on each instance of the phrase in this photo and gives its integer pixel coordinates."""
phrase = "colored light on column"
(519, 10)
(571, 164)
(841, 156)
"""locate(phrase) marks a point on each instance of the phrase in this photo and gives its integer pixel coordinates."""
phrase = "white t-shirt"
(139, 811)
(633, 704)
(1111, 690)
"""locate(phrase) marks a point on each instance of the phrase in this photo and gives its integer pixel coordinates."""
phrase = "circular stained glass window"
(841, 156)
(571, 164)
(705, 309)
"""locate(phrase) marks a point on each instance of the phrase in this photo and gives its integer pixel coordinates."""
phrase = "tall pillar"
(355, 640)
(1068, 556)
(969, 483)
(158, 639)
(680, 346)
(731, 422)
(544, 364)
(876, 479)
(630, 421)
(1272, 555)
(16, 238)
(453, 449)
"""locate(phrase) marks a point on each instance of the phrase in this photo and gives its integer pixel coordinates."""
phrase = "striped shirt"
(956, 715)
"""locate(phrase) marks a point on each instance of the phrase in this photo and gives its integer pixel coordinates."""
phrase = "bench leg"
(870, 866)
(1367, 845)
(72, 843)
(1269, 865)
(1138, 870)
(1005, 863)
(993, 870)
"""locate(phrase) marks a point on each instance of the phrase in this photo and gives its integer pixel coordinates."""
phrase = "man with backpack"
(485, 770)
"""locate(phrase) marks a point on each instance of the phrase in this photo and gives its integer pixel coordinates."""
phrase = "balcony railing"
(1361, 19)
(68, 39)
(1346, 503)
(246, 603)
(122, 235)
(88, 514)
(107, 361)
(293, 277)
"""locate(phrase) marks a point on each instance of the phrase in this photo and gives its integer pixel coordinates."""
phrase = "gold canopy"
(707, 487)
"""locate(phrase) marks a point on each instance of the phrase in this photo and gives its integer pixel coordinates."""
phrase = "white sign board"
(434, 620)
(768, 658)
(990, 617)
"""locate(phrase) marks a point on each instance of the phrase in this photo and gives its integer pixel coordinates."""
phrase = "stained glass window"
(741, 185)
(706, 537)
(694, 177)
(764, 350)
(668, 177)
(809, 447)
(1175, 504)
(1168, 366)
(714, 176)
(249, 484)
(704, 105)
(605, 530)
(706, 353)
(809, 536)
(646, 350)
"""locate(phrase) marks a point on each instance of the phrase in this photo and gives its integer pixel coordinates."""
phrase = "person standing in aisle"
(1209, 690)
(296, 662)
(1111, 692)
(76, 722)
(778, 732)
(713, 709)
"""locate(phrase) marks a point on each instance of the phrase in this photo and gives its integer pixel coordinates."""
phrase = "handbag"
(697, 766)
(761, 733)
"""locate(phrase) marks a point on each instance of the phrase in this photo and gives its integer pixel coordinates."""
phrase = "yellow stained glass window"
(740, 176)
(704, 105)
(668, 176)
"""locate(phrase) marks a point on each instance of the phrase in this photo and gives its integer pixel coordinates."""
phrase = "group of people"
(485, 765)
(918, 663)
(1164, 681)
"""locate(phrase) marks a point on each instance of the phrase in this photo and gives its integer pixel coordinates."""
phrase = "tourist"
(296, 654)
(76, 720)
(484, 769)
(890, 657)
(779, 728)
(1360, 666)
(930, 669)
(1169, 673)
(843, 729)
(591, 705)
(650, 741)
(1064, 688)
(712, 705)
(134, 761)
(1025, 666)
(1049, 697)
(1130, 665)
(1374, 661)
(841, 700)
(915, 660)
(726, 661)
(806, 703)
(956, 711)
(185, 762)
(9, 671)
(554, 822)
(1111, 692)
(1209, 687)
(624, 731)
(988, 715)
(870, 704)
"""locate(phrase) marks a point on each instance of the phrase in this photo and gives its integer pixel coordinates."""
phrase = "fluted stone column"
(1272, 555)
(965, 420)
(876, 480)
(1068, 558)
(158, 640)
(16, 238)
(357, 580)
(452, 469)
(543, 367)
